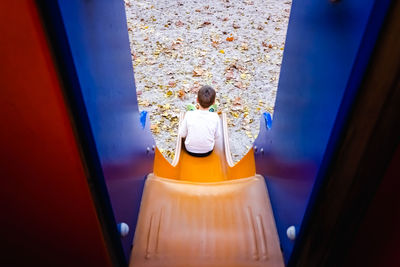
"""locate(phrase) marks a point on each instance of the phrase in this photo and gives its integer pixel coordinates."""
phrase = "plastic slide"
(205, 212)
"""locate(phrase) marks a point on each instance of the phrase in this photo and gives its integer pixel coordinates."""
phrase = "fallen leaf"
(172, 84)
(237, 101)
(229, 75)
(154, 128)
(248, 133)
(197, 72)
(235, 26)
(215, 44)
(239, 85)
(179, 23)
(222, 51)
(230, 39)
(181, 94)
(144, 103)
(195, 89)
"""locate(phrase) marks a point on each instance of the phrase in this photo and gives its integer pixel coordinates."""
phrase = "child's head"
(206, 96)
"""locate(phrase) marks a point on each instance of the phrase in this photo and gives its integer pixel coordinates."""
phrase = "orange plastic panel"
(227, 223)
(163, 168)
(208, 212)
(208, 169)
(246, 167)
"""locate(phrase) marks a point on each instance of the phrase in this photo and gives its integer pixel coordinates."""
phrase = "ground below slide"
(234, 46)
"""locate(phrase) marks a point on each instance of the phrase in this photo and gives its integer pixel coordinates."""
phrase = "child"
(201, 127)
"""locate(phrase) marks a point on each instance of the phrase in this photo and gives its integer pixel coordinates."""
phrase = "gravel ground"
(234, 46)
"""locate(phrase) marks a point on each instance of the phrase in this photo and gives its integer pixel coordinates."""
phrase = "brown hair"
(206, 96)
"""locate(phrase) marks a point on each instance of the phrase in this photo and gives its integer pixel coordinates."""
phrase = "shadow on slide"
(205, 212)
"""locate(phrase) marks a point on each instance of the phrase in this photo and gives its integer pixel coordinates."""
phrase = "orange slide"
(205, 212)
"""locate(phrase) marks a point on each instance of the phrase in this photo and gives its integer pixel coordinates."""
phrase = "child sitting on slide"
(201, 127)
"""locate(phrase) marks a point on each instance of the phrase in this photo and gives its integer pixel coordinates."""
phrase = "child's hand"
(213, 108)
(190, 107)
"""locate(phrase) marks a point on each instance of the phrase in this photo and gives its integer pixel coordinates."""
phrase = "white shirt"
(201, 128)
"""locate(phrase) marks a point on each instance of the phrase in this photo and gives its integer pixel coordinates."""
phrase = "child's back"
(201, 127)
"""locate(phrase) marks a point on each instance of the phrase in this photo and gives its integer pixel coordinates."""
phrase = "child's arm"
(183, 128)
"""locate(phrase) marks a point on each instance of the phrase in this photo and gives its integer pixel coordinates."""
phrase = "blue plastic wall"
(99, 46)
(327, 50)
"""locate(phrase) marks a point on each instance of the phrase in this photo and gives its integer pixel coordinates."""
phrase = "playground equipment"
(206, 212)
(74, 154)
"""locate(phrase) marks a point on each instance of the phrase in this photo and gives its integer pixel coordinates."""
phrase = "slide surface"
(205, 212)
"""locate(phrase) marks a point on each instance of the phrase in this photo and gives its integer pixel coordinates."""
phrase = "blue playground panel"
(99, 46)
(327, 50)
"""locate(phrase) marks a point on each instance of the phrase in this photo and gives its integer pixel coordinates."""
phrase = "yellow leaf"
(222, 51)
(154, 128)
(181, 94)
(197, 72)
